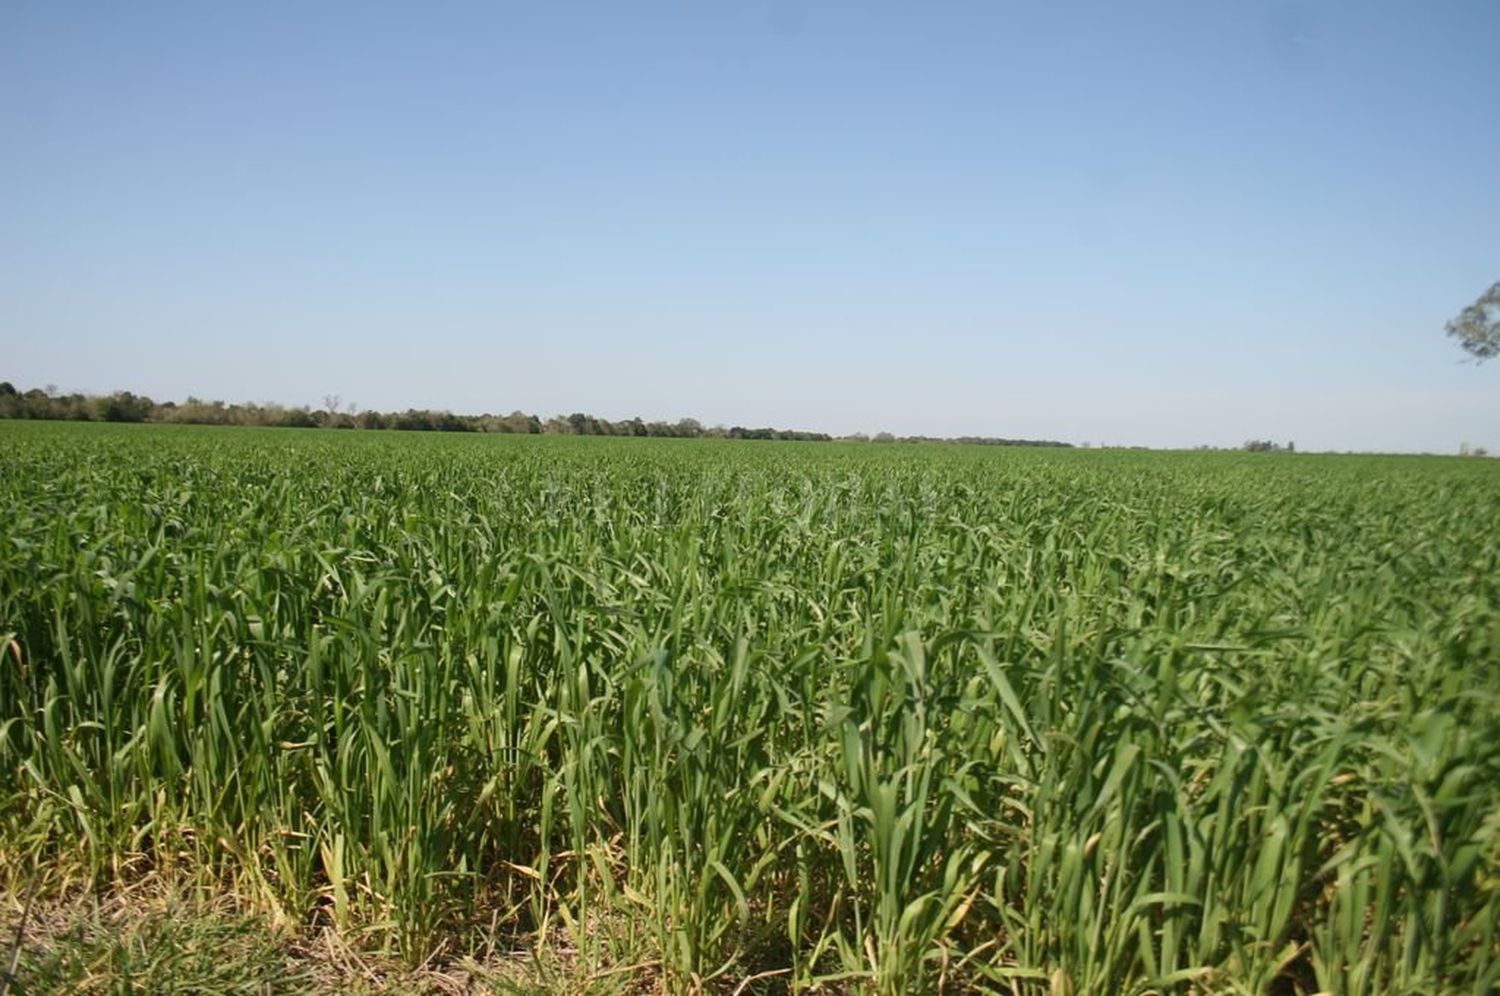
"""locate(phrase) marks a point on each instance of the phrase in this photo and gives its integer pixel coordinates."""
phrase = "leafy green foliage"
(1477, 327)
(889, 718)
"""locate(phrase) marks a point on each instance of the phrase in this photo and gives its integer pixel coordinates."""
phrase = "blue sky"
(1144, 223)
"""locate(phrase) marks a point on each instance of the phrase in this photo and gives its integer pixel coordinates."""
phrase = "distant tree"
(35, 404)
(1477, 327)
(412, 420)
(123, 406)
(298, 418)
(741, 432)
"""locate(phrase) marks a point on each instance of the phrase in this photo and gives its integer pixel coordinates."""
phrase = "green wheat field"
(693, 715)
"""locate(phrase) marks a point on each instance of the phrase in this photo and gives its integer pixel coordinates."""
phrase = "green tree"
(123, 406)
(1477, 327)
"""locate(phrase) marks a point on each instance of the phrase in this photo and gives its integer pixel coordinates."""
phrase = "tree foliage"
(123, 406)
(1477, 327)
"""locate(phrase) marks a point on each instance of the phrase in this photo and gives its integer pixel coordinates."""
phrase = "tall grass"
(891, 719)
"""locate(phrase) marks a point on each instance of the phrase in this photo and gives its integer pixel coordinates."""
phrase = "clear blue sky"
(1135, 223)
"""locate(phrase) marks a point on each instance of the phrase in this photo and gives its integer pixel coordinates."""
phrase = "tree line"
(125, 406)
